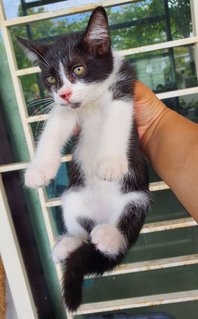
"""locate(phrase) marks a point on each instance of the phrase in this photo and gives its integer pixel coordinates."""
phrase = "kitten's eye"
(79, 70)
(51, 80)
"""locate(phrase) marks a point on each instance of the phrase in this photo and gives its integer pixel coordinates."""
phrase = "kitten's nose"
(65, 95)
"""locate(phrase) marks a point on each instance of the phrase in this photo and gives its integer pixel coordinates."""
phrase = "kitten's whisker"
(41, 109)
(42, 57)
(45, 111)
(36, 102)
(46, 108)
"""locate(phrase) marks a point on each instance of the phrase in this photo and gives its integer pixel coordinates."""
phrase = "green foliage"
(132, 25)
(180, 17)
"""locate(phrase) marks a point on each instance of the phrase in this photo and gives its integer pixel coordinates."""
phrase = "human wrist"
(159, 115)
(148, 108)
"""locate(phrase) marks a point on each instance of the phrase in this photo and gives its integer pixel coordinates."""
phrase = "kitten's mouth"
(75, 105)
(72, 105)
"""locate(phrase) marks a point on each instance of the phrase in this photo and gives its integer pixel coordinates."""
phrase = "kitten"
(105, 206)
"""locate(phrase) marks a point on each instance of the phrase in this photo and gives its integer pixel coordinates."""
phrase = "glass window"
(166, 70)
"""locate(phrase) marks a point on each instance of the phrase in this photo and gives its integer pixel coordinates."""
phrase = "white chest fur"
(106, 127)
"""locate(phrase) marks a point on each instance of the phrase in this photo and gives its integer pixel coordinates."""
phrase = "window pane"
(141, 284)
(166, 70)
(164, 244)
(14, 8)
(132, 25)
(185, 105)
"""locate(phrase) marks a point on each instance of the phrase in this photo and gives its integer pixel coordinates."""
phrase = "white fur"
(108, 239)
(62, 74)
(64, 246)
(56, 133)
(31, 55)
(98, 33)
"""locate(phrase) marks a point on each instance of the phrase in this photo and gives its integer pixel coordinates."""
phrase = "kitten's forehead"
(62, 74)
(63, 49)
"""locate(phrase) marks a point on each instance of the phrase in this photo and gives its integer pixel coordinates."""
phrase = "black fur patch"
(137, 179)
(76, 175)
(123, 88)
(86, 223)
(131, 222)
(85, 260)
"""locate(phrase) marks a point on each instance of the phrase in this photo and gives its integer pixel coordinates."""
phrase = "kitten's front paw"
(108, 239)
(40, 174)
(112, 168)
(63, 247)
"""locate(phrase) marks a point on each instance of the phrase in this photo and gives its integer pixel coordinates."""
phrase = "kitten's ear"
(96, 36)
(33, 50)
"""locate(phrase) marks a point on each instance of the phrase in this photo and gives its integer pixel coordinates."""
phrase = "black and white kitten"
(105, 206)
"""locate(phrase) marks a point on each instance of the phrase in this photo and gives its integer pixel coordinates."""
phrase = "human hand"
(148, 110)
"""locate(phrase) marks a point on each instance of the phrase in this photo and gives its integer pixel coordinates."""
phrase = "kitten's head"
(74, 64)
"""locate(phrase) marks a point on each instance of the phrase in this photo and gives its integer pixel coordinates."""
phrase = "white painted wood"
(16, 81)
(168, 225)
(62, 12)
(143, 49)
(23, 165)
(53, 202)
(27, 71)
(160, 46)
(154, 265)
(182, 92)
(158, 186)
(10, 308)
(23, 114)
(13, 167)
(138, 302)
(13, 263)
(37, 118)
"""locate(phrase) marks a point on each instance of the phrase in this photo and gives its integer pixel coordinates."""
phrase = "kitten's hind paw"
(64, 246)
(108, 239)
(112, 168)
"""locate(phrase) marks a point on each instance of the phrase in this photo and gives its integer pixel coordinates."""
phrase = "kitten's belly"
(104, 200)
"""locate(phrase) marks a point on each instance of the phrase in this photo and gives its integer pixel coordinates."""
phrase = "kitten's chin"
(75, 105)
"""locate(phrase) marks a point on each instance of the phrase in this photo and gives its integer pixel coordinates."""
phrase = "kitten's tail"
(85, 260)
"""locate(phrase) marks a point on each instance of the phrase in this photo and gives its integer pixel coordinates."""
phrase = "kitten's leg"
(133, 215)
(124, 225)
(75, 209)
(111, 161)
(108, 239)
(64, 246)
(77, 220)
(47, 158)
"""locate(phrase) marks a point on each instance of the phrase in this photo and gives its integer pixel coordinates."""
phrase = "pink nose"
(66, 95)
